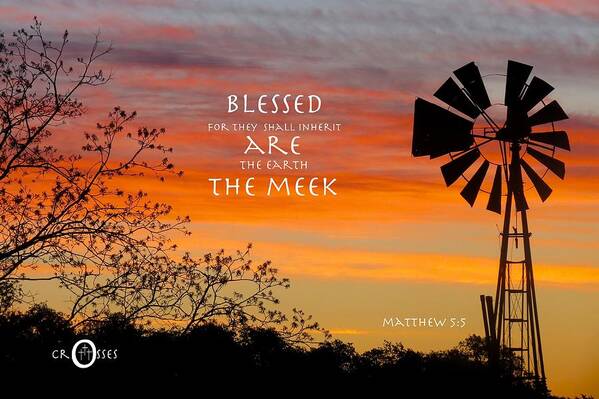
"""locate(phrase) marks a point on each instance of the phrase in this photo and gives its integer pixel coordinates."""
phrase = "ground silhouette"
(246, 359)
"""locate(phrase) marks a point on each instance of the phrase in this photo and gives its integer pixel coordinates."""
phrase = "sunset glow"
(393, 225)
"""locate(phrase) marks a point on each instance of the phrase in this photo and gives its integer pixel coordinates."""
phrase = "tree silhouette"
(248, 360)
(64, 211)
(71, 216)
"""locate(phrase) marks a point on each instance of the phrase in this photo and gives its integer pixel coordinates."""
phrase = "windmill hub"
(516, 125)
(522, 144)
(482, 132)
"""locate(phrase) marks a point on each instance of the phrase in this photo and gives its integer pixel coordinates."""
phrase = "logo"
(84, 354)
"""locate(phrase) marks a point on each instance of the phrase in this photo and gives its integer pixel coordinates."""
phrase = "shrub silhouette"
(248, 360)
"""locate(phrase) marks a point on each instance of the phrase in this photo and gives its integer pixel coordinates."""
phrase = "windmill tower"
(526, 141)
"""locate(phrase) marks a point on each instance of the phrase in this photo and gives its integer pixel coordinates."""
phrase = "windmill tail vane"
(527, 141)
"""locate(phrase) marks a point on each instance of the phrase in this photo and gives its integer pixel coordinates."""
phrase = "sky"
(394, 241)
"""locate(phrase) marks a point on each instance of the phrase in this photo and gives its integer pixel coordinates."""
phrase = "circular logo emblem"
(83, 353)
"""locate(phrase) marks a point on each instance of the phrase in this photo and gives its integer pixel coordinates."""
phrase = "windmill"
(525, 147)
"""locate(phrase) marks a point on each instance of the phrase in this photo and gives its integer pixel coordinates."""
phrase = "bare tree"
(59, 209)
(37, 92)
(188, 293)
(108, 247)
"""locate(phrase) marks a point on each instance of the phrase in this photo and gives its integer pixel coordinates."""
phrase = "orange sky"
(394, 241)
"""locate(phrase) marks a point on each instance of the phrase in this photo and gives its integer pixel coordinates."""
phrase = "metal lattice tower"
(517, 323)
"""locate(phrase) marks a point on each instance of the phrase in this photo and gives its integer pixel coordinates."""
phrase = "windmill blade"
(537, 90)
(494, 204)
(554, 165)
(517, 187)
(451, 94)
(471, 189)
(558, 138)
(438, 131)
(455, 168)
(470, 77)
(551, 112)
(542, 188)
(517, 75)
